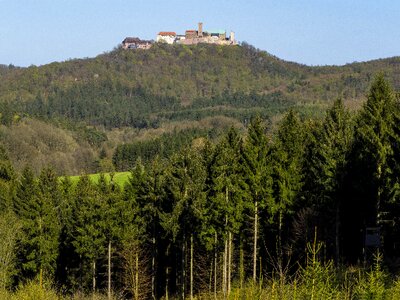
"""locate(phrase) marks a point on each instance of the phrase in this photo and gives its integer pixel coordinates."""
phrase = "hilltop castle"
(191, 37)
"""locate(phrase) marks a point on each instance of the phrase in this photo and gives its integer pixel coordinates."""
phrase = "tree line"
(213, 214)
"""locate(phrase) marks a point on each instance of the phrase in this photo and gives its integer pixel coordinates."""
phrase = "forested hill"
(122, 87)
(170, 93)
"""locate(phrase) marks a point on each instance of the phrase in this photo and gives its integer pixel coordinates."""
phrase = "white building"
(166, 37)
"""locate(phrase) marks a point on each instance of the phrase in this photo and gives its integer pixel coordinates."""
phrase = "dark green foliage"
(142, 89)
(326, 163)
(371, 151)
(255, 164)
(35, 206)
(86, 229)
(227, 195)
(286, 157)
(157, 90)
(328, 148)
(286, 160)
(218, 212)
(257, 176)
(126, 155)
(185, 188)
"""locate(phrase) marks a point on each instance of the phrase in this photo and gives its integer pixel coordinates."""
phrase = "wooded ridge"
(90, 106)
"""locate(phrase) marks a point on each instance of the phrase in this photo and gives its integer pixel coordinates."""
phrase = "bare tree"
(136, 271)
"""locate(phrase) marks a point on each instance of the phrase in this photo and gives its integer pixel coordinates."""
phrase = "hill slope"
(144, 88)
(143, 94)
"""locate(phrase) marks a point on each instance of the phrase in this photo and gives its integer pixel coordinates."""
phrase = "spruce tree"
(226, 202)
(109, 193)
(86, 230)
(257, 178)
(186, 189)
(287, 178)
(326, 169)
(369, 167)
(34, 204)
(144, 200)
(392, 206)
(374, 128)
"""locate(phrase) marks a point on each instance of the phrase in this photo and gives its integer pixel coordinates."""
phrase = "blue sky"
(311, 32)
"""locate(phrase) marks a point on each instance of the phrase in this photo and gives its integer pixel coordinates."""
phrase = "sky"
(312, 32)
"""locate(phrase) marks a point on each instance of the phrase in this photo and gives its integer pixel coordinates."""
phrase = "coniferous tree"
(143, 195)
(109, 193)
(257, 177)
(326, 166)
(34, 204)
(227, 201)
(374, 128)
(186, 190)
(151, 200)
(67, 257)
(86, 230)
(392, 228)
(286, 161)
(49, 196)
(369, 168)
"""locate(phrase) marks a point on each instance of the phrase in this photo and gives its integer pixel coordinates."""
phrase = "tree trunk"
(167, 275)
(224, 268)
(241, 264)
(229, 262)
(279, 250)
(225, 264)
(337, 228)
(255, 242)
(109, 271)
(137, 275)
(94, 277)
(191, 267)
(211, 277)
(215, 266)
(183, 266)
(379, 193)
(153, 270)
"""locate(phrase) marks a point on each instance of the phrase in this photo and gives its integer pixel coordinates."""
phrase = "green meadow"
(119, 178)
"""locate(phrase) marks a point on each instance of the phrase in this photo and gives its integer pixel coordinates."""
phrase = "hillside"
(125, 96)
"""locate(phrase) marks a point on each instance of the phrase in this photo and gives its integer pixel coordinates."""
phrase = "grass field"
(119, 177)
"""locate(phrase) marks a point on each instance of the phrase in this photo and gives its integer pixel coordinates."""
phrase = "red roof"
(167, 33)
(191, 30)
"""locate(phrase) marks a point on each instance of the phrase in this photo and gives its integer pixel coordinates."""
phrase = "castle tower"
(200, 31)
(232, 37)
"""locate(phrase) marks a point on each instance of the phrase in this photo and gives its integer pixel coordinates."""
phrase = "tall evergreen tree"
(109, 193)
(186, 189)
(227, 201)
(257, 177)
(326, 166)
(34, 204)
(369, 168)
(374, 128)
(144, 197)
(286, 160)
(67, 257)
(392, 206)
(86, 230)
